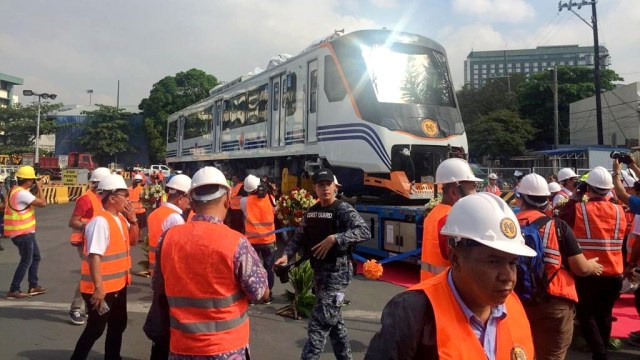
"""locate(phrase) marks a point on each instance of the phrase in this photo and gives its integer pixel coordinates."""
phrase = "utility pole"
(596, 53)
(90, 92)
(556, 137)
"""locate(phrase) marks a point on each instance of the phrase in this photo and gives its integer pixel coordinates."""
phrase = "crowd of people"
(494, 284)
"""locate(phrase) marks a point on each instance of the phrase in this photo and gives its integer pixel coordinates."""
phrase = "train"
(376, 106)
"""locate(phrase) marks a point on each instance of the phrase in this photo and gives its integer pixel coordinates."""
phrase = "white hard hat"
(487, 219)
(208, 175)
(600, 178)
(534, 184)
(112, 182)
(518, 173)
(554, 187)
(454, 170)
(137, 177)
(492, 176)
(99, 174)
(180, 182)
(566, 173)
(178, 171)
(628, 179)
(405, 152)
(251, 183)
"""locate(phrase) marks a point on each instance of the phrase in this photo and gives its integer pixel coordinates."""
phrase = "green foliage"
(301, 279)
(500, 134)
(535, 98)
(167, 96)
(106, 132)
(18, 126)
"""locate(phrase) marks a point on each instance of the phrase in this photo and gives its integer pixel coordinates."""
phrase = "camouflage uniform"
(331, 278)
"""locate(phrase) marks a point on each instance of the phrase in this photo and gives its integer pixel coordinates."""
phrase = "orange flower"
(372, 270)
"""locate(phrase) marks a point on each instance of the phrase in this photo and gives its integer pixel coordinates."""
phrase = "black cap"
(321, 175)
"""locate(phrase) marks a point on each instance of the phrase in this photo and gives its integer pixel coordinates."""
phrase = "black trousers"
(159, 351)
(596, 297)
(115, 320)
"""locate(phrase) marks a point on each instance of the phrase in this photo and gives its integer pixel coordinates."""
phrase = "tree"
(18, 126)
(499, 134)
(535, 98)
(106, 133)
(167, 96)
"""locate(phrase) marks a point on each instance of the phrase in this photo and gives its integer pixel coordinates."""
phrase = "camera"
(265, 188)
(581, 188)
(282, 271)
(622, 156)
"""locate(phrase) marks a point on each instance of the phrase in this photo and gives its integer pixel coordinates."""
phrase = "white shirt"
(24, 199)
(635, 225)
(97, 233)
(559, 196)
(173, 219)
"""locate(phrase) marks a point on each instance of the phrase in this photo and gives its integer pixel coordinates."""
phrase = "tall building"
(7, 82)
(483, 65)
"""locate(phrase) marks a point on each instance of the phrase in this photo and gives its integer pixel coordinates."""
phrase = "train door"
(312, 101)
(217, 121)
(277, 112)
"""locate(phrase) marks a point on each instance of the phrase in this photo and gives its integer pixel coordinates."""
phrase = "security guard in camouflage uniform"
(328, 231)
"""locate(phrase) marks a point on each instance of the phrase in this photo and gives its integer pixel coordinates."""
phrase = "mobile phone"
(104, 308)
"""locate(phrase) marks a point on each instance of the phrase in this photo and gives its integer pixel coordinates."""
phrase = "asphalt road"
(39, 328)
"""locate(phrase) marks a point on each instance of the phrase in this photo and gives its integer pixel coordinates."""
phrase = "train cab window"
(172, 134)
(226, 115)
(276, 96)
(313, 91)
(333, 86)
(289, 94)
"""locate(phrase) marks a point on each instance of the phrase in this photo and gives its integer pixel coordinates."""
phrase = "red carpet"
(407, 275)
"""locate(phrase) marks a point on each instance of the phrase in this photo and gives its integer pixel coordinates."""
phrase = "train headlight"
(430, 127)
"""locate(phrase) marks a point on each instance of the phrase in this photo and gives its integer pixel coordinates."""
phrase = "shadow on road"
(48, 354)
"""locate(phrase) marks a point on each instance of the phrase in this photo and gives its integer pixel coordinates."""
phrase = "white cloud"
(139, 43)
(512, 11)
(384, 4)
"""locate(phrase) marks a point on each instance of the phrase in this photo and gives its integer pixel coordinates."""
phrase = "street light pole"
(556, 136)
(36, 161)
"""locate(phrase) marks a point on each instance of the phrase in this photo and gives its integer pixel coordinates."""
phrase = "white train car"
(353, 103)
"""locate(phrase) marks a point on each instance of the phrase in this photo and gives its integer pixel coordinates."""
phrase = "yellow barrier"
(50, 194)
(509, 197)
(62, 195)
(76, 191)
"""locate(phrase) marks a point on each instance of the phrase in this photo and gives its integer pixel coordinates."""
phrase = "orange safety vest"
(432, 261)
(235, 196)
(154, 223)
(513, 337)
(563, 284)
(493, 190)
(114, 263)
(207, 306)
(134, 196)
(77, 236)
(259, 222)
(599, 227)
(18, 221)
(191, 213)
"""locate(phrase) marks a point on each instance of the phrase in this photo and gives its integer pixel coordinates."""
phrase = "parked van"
(164, 168)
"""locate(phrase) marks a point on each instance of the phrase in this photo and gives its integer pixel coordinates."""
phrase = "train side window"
(172, 135)
(290, 90)
(257, 105)
(263, 102)
(276, 95)
(333, 86)
(313, 91)
(238, 110)
(226, 115)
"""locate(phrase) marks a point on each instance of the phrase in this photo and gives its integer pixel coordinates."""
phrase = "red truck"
(51, 165)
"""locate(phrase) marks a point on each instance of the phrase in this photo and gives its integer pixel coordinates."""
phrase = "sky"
(69, 46)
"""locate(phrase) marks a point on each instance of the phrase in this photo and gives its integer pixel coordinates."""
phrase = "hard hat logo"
(508, 228)
(429, 127)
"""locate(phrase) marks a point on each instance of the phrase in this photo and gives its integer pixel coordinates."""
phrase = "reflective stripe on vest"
(453, 329)
(431, 257)
(235, 197)
(208, 309)
(18, 222)
(77, 236)
(259, 220)
(154, 224)
(598, 227)
(114, 263)
(562, 282)
(134, 197)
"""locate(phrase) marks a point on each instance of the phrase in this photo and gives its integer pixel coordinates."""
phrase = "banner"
(69, 177)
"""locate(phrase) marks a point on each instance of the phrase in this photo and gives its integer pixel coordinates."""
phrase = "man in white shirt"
(569, 180)
(20, 226)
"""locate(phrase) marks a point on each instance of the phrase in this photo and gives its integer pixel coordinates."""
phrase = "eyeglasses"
(124, 195)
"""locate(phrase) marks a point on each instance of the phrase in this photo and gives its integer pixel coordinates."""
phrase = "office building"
(7, 95)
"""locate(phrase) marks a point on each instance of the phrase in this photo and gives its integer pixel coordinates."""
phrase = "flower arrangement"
(372, 269)
(290, 208)
(150, 195)
(431, 204)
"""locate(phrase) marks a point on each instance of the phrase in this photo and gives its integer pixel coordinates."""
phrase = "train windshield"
(408, 74)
